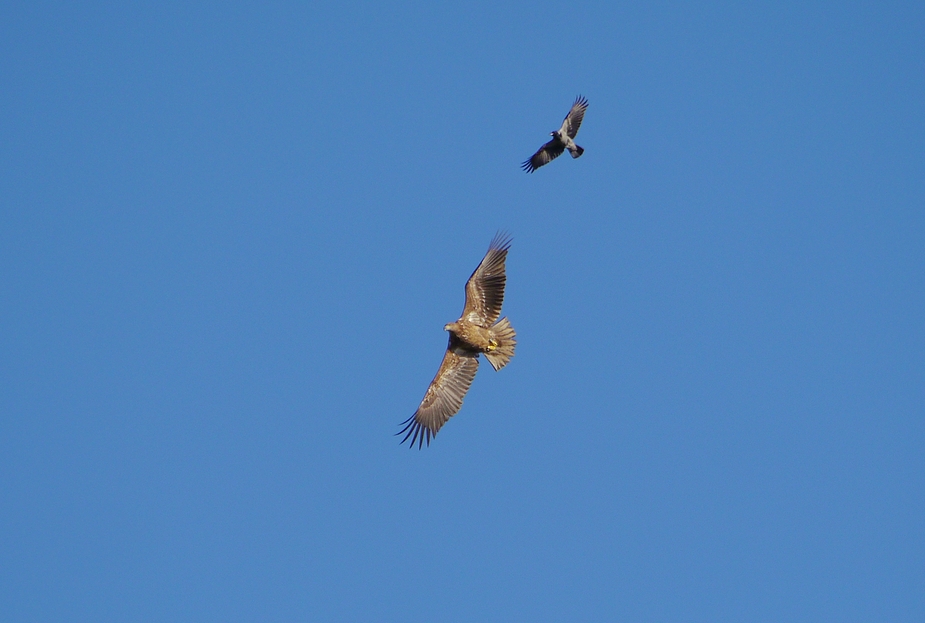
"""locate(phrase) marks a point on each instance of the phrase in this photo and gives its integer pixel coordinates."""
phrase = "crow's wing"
(547, 153)
(572, 120)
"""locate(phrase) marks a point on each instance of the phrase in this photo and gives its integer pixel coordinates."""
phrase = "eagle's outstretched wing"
(444, 397)
(572, 120)
(485, 288)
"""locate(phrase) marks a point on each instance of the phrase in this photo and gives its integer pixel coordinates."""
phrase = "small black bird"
(561, 138)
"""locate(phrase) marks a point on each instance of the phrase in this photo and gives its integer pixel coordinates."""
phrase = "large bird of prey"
(478, 330)
(562, 139)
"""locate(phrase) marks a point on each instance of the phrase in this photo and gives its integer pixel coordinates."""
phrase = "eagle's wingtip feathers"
(415, 430)
(501, 242)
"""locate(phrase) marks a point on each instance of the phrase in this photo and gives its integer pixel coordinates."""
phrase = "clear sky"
(231, 234)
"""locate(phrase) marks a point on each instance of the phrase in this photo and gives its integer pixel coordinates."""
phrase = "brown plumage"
(477, 331)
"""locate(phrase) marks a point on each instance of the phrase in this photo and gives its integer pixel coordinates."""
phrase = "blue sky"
(230, 237)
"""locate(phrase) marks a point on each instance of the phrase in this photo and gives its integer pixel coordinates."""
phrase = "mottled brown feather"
(485, 288)
(444, 397)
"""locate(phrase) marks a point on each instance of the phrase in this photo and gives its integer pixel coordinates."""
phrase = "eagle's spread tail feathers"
(500, 355)
(577, 151)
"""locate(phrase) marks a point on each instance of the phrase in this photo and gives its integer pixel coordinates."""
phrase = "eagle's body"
(472, 336)
(562, 139)
(478, 331)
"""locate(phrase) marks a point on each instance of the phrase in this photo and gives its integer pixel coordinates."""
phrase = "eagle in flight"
(478, 330)
(562, 139)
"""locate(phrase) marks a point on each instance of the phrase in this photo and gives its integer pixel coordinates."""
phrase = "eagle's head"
(451, 326)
